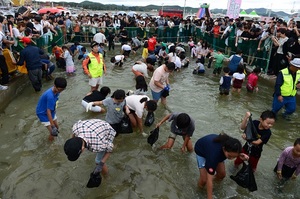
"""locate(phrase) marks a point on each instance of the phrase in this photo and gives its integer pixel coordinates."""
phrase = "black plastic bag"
(149, 119)
(125, 125)
(245, 178)
(153, 137)
(250, 131)
(165, 93)
(94, 181)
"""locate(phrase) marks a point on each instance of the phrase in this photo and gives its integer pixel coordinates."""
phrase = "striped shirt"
(98, 134)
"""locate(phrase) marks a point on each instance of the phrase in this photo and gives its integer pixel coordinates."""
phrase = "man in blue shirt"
(46, 107)
(31, 55)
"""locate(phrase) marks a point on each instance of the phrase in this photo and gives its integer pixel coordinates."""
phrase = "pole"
(184, 9)
(162, 8)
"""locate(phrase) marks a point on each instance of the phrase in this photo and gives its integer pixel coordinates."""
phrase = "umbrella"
(52, 10)
(131, 13)
(121, 12)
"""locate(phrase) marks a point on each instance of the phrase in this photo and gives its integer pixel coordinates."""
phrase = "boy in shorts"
(46, 107)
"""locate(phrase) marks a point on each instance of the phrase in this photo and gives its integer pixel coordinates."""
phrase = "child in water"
(70, 67)
(252, 80)
(263, 127)
(238, 79)
(225, 82)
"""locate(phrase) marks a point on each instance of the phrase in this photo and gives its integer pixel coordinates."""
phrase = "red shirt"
(151, 44)
(252, 81)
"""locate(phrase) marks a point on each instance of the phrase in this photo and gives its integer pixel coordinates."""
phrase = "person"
(225, 82)
(118, 60)
(140, 85)
(235, 61)
(126, 49)
(200, 69)
(211, 152)
(252, 80)
(58, 52)
(93, 96)
(137, 104)
(288, 164)
(48, 66)
(47, 104)
(94, 66)
(140, 68)
(151, 44)
(254, 148)
(183, 125)
(95, 135)
(136, 44)
(286, 86)
(31, 55)
(160, 82)
(237, 79)
(145, 51)
(100, 37)
(3, 65)
(219, 56)
(116, 109)
(67, 55)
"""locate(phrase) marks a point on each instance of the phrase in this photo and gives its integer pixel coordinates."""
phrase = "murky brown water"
(31, 167)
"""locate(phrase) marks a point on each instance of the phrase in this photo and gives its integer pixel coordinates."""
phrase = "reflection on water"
(31, 167)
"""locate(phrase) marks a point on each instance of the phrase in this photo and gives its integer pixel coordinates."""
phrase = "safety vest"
(288, 87)
(95, 68)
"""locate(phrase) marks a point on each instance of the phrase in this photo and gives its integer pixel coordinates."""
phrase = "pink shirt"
(161, 76)
(252, 81)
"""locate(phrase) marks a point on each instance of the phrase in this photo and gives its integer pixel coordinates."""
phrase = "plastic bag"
(94, 181)
(245, 178)
(125, 126)
(149, 119)
(153, 137)
(250, 131)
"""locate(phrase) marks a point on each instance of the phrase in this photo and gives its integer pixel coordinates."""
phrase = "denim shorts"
(99, 156)
(156, 96)
(200, 161)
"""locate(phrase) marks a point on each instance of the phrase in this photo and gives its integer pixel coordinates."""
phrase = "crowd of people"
(160, 56)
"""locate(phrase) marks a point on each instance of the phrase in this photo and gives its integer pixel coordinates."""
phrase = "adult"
(140, 68)
(286, 86)
(99, 37)
(94, 66)
(137, 104)
(3, 66)
(211, 152)
(125, 50)
(160, 82)
(31, 55)
(95, 135)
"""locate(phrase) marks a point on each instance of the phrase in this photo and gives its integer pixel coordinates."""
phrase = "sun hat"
(295, 62)
(26, 40)
(73, 148)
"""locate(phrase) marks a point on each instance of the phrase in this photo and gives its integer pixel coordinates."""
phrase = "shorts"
(223, 91)
(200, 161)
(48, 123)
(99, 156)
(94, 81)
(172, 135)
(156, 95)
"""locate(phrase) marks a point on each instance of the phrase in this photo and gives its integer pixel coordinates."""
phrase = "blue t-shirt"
(211, 151)
(48, 100)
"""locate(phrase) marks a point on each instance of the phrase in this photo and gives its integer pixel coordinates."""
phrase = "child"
(118, 60)
(219, 56)
(48, 66)
(225, 82)
(191, 44)
(235, 61)
(57, 52)
(183, 125)
(184, 60)
(46, 107)
(145, 51)
(252, 80)
(200, 69)
(70, 68)
(288, 164)
(238, 79)
(141, 85)
(263, 128)
(85, 53)
(162, 55)
(93, 96)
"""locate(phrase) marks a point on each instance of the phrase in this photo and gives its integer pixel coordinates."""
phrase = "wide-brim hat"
(295, 62)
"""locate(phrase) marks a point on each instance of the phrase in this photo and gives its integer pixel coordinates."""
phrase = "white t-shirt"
(99, 38)
(133, 103)
(126, 47)
(239, 76)
(118, 58)
(142, 67)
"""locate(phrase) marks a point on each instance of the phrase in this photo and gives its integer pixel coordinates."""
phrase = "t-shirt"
(211, 151)
(94, 96)
(264, 135)
(133, 103)
(159, 75)
(126, 47)
(151, 44)
(252, 81)
(187, 131)
(219, 60)
(48, 100)
(141, 68)
(118, 58)
(114, 113)
(145, 53)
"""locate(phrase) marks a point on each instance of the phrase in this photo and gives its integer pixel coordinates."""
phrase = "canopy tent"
(243, 13)
(253, 14)
(203, 11)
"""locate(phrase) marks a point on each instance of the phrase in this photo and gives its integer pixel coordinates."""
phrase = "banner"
(233, 8)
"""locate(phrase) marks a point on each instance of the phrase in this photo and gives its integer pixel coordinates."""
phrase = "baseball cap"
(26, 40)
(94, 44)
(73, 148)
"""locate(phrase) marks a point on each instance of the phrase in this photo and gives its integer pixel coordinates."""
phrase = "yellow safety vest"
(95, 68)
(288, 87)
